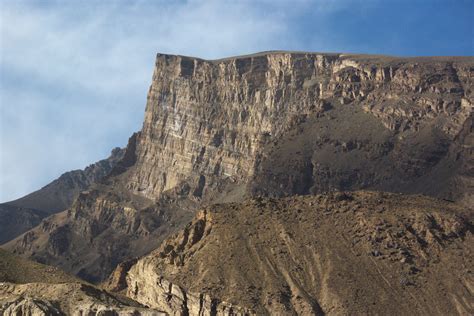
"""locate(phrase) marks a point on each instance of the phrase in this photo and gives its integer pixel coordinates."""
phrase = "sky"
(74, 74)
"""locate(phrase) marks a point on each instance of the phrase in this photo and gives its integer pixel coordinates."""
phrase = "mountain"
(271, 124)
(18, 216)
(359, 253)
(30, 288)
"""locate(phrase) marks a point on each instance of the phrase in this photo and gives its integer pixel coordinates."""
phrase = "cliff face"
(207, 121)
(272, 124)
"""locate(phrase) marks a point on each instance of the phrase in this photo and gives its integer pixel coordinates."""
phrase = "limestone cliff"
(207, 121)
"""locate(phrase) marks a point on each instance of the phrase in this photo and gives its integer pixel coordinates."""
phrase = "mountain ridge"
(22, 214)
(281, 52)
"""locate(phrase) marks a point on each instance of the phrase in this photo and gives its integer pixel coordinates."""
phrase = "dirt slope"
(342, 253)
(15, 269)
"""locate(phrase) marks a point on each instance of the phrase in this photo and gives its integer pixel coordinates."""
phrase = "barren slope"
(342, 253)
(102, 229)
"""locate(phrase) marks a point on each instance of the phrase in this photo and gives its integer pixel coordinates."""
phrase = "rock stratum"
(276, 122)
(272, 125)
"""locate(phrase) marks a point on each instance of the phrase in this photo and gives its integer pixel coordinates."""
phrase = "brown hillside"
(342, 253)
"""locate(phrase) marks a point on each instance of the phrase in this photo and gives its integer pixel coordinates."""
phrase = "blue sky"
(74, 76)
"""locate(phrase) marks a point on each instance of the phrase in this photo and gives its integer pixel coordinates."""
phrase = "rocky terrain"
(29, 288)
(22, 214)
(273, 126)
(337, 253)
(100, 230)
(342, 253)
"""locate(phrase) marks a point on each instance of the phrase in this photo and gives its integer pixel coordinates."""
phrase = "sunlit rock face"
(210, 121)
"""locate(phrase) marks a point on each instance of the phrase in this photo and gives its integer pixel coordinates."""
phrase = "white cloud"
(75, 74)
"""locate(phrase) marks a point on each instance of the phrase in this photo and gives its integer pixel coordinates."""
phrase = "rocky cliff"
(234, 119)
(271, 124)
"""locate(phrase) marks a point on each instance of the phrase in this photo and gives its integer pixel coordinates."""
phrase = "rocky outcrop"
(37, 299)
(28, 306)
(342, 253)
(105, 227)
(155, 291)
(16, 217)
(117, 280)
(148, 287)
(30, 288)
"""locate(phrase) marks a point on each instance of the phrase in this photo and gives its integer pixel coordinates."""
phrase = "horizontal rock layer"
(210, 120)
